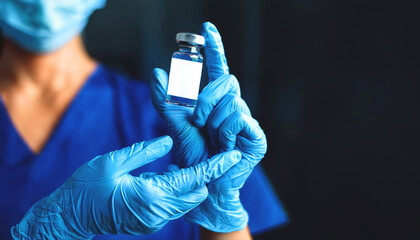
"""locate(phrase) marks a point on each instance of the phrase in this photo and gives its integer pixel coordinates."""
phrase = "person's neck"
(48, 71)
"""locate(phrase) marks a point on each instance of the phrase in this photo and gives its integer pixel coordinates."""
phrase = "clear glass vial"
(185, 71)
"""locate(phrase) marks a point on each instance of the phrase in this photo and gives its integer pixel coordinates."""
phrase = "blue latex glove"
(191, 144)
(221, 121)
(101, 197)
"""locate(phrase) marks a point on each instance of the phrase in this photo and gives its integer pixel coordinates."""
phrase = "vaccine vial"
(185, 71)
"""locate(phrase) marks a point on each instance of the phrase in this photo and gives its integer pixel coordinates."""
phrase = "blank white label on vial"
(184, 78)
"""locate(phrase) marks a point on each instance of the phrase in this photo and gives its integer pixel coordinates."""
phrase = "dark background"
(334, 84)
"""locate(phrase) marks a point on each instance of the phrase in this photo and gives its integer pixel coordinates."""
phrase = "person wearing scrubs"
(62, 115)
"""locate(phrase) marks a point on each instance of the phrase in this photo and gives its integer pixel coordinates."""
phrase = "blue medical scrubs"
(111, 111)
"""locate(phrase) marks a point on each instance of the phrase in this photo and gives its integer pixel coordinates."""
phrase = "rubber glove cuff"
(47, 219)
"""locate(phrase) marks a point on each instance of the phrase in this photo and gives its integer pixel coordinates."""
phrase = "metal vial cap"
(190, 39)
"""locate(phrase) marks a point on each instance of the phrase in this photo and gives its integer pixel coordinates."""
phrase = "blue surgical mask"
(43, 26)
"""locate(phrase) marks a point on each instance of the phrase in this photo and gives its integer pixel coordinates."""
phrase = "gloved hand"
(101, 197)
(221, 121)
(191, 144)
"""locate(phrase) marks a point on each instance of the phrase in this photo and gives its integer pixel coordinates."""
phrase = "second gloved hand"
(228, 120)
(220, 122)
(101, 197)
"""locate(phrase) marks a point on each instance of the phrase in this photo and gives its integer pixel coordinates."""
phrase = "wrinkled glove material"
(101, 197)
(220, 122)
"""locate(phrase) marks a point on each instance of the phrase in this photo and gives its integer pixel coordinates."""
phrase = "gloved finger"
(228, 105)
(236, 176)
(172, 167)
(211, 95)
(187, 179)
(215, 53)
(148, 174)
(246, 126)
(189, 200)
(140, 154)
(159, 85)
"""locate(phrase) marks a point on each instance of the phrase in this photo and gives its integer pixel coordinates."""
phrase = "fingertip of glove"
(208, 26)
(197, 117)
(233, 157)
(236, 155)
(203, 191)
(157, 72)
(166, 140)
(210, 33)
(197, 120)
(172, 167)
(165, 143)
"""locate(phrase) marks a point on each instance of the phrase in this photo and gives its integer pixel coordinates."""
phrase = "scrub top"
(111, 111)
